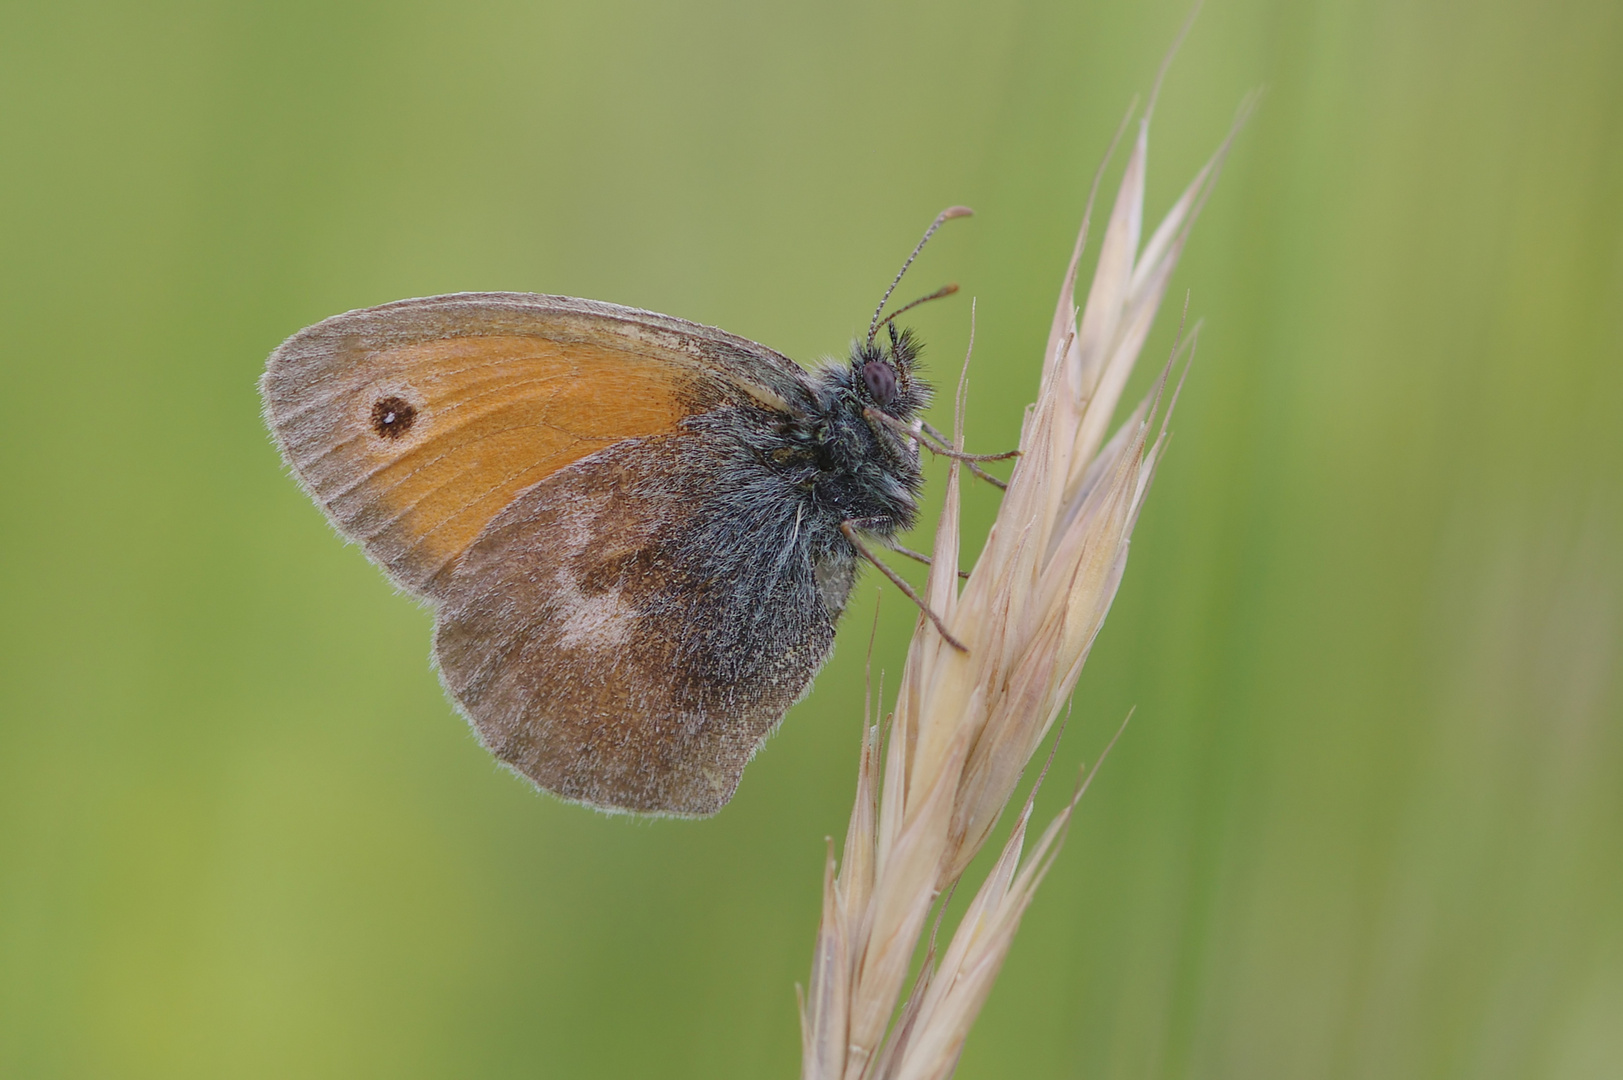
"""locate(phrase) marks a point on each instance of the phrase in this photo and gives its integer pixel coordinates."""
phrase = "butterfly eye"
(880, 379)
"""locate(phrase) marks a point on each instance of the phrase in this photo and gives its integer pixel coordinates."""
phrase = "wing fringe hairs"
(966, 724)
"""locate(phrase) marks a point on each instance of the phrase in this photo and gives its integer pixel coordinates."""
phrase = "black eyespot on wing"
(880, 379)
(392, 417)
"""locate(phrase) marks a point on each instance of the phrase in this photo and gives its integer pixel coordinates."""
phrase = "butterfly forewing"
(414, 424)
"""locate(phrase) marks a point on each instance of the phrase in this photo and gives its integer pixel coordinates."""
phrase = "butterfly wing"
(415, 423)
(625, 596)
(629, 632)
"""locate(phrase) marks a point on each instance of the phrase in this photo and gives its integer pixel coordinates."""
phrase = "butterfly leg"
(849, 529)
(970, 465)
(945, 449)
(919, 556)
(935, 442)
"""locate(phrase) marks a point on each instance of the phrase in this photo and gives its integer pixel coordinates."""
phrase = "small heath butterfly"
(636, 532)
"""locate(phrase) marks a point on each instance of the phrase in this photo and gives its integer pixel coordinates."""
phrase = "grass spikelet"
(966, 723)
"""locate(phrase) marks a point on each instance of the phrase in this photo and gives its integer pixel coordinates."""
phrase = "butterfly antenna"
(946, 215)
(945, 290)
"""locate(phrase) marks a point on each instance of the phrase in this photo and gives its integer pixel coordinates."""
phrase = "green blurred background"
(1369, 819)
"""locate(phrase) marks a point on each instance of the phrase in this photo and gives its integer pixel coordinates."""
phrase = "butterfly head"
(883, 377)
(883, 374)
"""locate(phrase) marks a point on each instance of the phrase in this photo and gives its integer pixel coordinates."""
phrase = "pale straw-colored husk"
(966, 723)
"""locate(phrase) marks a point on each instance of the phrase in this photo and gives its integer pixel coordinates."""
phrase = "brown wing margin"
(415, 423)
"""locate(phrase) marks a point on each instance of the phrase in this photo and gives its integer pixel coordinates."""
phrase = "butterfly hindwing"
(628, 632)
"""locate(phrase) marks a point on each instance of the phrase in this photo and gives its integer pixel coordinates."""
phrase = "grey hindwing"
(630, 630)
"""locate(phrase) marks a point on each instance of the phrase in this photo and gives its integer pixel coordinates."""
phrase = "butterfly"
(637, 533)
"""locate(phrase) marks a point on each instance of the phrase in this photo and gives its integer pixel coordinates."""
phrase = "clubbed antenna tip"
(946, 215)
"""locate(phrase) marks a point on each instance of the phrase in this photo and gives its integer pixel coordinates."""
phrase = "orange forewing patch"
(499, 414)
(489, 417)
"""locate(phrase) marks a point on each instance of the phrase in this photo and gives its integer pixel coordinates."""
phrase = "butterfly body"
(631, 527)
